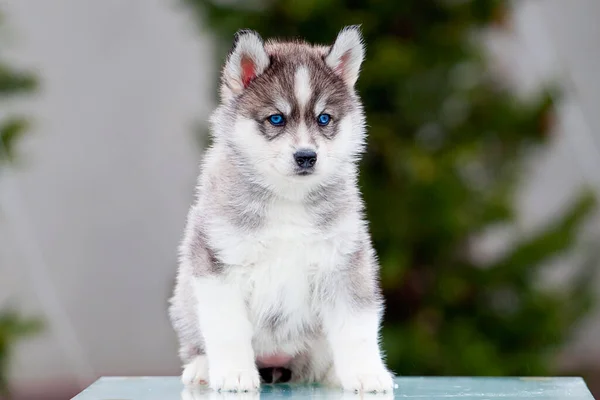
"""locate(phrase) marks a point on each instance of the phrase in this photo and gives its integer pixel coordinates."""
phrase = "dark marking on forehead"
(278, 82)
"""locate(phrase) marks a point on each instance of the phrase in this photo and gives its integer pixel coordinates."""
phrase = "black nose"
(305, 158)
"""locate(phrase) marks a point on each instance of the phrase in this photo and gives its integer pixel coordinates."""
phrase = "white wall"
(554, 39)
(575, 33)
(107, 178)
(109, 170)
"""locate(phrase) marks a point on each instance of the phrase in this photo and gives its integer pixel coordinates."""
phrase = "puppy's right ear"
(247, 60)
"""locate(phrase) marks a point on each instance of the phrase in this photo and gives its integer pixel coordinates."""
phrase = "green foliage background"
(13, 83)
(447, 145)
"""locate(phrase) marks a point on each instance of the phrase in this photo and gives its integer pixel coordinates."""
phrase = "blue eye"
(276, 119)
(323, 119)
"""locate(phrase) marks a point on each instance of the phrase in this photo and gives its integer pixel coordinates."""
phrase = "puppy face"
(296, 117)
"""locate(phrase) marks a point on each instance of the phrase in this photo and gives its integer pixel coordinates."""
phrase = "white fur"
(195, 372)
(274, 269)
(320, 105)
(302, 87)
(305, 140)
(283, 106)
(349, 43)
(355, 347)
(273, 160)
(227, 335)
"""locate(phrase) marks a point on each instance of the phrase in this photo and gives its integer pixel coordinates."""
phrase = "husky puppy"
(276, 267)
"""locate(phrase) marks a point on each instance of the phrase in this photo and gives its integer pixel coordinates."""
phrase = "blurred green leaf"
(519, 266)
(13, 82)
(11, 130)
(13, 326)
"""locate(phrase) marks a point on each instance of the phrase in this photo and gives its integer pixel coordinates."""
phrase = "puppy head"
(293, 114)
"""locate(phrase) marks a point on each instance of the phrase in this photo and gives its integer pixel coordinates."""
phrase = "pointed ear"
(247, 60)
(347, 54)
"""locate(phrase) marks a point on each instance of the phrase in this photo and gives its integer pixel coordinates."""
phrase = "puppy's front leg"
(352, 330)
(227, 334)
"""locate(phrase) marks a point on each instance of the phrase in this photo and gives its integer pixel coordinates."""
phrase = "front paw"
(196, 372)
(366, 381)
(235, 380)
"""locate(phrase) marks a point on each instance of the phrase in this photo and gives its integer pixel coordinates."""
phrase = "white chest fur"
(278, 267)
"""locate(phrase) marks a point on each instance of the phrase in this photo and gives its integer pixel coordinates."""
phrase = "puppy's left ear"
(347, 53)
(247, 60)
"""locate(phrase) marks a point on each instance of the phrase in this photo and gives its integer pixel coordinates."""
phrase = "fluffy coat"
(276, 264)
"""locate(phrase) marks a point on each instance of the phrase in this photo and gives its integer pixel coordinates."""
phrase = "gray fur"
(363, 282)
(183, 317)
(331, 201)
